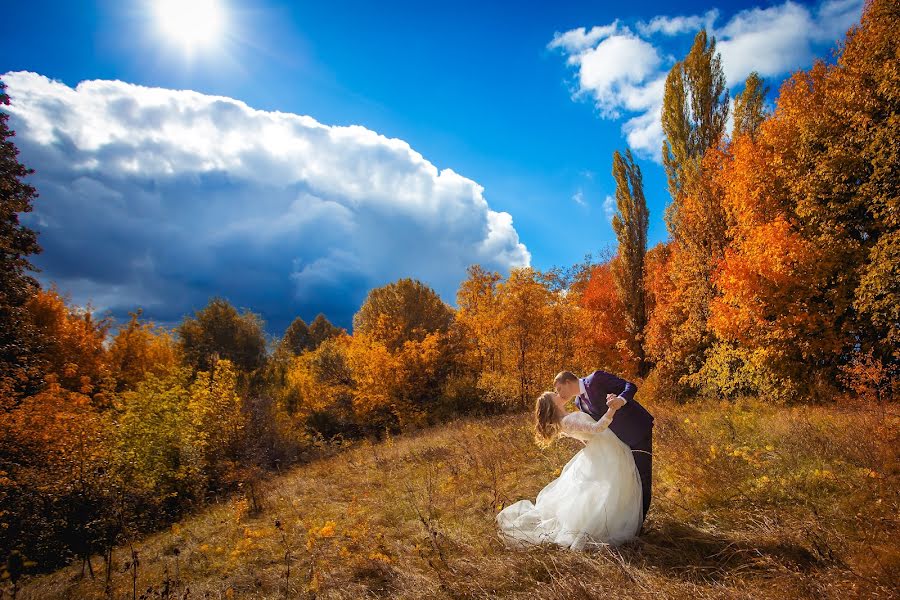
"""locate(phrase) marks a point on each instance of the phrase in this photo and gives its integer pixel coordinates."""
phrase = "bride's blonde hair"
(546, 421)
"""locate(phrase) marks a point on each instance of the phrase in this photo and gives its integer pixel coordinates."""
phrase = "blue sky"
(522, 104)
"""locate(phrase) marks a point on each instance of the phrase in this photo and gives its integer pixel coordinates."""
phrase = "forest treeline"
(780, 278)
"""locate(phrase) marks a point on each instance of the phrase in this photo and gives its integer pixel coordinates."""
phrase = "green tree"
(153, 455)
(630, 224)
(19, 365)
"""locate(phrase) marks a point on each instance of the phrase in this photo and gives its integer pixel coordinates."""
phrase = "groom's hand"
(614, 402)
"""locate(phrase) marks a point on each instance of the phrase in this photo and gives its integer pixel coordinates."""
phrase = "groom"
(632, 423)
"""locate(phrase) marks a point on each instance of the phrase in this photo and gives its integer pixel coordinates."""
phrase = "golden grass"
(750, 501)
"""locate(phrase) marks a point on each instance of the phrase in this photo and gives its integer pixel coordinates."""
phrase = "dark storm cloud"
(161, 199)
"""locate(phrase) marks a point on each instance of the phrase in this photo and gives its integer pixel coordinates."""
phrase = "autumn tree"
(215, 433)
(20, 369)
(297, 338)
(402, 311)
(812, 200)
(749, 106)
(319, 388)
(523, 301)
(72, 343)
(321, 329)
(377, 383)
(55, 457)
(219, 331)
(565, 339)
(152, 453)
(630, 224)
(869, 90)
(695, 110)
(662, 303)
(138, 349)
(605, 315)
(477, 304)
(405, 328)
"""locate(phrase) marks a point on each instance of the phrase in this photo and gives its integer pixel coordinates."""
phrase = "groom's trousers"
(643, 460)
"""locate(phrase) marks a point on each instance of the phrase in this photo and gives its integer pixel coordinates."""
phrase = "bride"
(597, 497)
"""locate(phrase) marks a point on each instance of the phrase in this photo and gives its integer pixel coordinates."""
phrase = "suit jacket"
(632, 423)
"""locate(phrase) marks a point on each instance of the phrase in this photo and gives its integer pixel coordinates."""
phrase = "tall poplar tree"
(630, 224)
(749, 106)
(695, 110)
(694, 114)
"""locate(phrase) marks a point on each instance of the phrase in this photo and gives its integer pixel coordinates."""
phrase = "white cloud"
(677, 25)
(578, 197)
(161, 198)
(609, 207)
(616, 72)
(778, 39)
(624, 73)
(576, 40)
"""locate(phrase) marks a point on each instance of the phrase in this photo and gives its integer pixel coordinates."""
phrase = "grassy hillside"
(750, 501)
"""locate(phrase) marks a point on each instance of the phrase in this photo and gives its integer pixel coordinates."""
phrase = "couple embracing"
(602, 494)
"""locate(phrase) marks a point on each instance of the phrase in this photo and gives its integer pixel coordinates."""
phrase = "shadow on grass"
(681, 550)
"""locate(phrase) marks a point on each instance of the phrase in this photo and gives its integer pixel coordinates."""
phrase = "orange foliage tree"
(71, 344)
(138, 349)
(56, 478)
(806, 280)
(603, 323)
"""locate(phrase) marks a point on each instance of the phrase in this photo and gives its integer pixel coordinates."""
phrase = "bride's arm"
(581, 425)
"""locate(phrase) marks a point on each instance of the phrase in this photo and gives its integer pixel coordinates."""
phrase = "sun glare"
(191, 23)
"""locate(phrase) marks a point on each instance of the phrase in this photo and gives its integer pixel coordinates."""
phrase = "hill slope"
(750, 500)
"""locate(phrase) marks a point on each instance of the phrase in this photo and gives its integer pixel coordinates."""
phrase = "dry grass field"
(750, 500)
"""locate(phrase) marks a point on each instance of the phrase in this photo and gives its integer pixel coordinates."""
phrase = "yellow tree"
(404, 310)
(478, 307)
(524, 299)
(138, 349)
(749, 106)
(217, 422)
(322, 379)
(153, 455)
(376, 374)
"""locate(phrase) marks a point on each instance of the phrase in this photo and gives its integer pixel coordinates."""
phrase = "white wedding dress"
(595, 500)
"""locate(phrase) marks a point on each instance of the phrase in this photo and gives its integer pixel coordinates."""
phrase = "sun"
(191, 23)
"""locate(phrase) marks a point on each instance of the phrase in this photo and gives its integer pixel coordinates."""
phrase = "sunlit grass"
(750, 500)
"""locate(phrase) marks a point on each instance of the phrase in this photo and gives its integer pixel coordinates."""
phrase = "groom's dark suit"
(631, 423)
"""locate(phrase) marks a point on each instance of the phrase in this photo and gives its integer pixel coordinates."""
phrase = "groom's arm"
(626, 395)
(628, 392)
